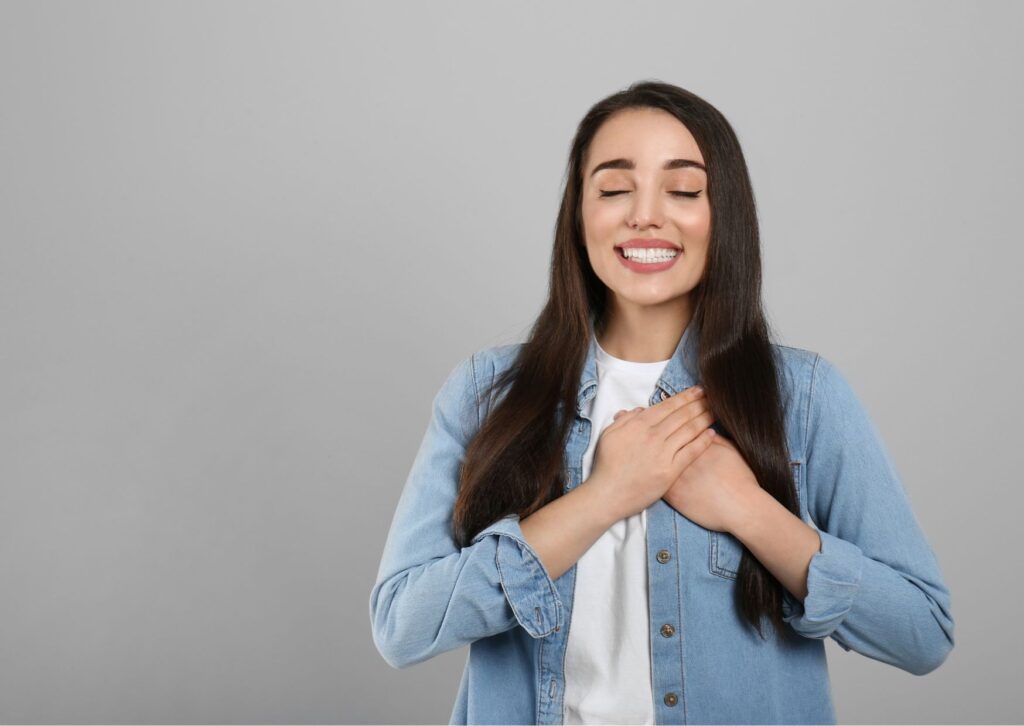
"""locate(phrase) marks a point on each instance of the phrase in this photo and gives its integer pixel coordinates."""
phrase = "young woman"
(649, 512)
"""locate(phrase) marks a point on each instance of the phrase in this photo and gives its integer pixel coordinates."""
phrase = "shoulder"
(828, 406)
(489, 362)
(472, 374)
(796, 368)
(793, 358)
(810, 374)
(482, 369)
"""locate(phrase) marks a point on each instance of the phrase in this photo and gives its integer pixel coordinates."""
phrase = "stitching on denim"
(650, 580)
(565, 642)
(711, 553)
(715, 568)
(801, 498)
(539, 665)
(679, 596)
(501, 581)
(807, 411)
(533, 561)
(476, 390)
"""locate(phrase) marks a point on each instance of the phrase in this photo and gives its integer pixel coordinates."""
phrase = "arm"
(564, 529)
(779, 539)
(874, 585)
(431, 596)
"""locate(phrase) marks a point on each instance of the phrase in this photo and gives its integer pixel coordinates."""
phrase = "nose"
(646, 211)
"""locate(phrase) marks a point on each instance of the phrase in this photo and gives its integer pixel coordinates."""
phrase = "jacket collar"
(679, 373)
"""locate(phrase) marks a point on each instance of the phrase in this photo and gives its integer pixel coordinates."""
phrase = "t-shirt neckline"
(609, 361)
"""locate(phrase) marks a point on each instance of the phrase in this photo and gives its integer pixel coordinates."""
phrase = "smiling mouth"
(653, 265)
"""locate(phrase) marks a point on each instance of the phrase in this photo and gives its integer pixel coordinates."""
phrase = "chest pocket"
(725, 551)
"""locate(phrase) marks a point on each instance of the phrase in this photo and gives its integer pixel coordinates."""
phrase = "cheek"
(696, 222)
(598, 219)
(599, 230)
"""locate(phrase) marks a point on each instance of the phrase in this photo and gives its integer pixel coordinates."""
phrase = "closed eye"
(691, 195)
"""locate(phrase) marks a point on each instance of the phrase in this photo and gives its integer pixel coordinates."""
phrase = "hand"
(643, 451)
(714, 491)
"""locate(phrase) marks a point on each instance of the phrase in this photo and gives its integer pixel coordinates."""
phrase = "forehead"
(647, 136)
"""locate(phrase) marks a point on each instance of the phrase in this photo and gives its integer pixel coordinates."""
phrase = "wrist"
(749, 510)
(605, 504)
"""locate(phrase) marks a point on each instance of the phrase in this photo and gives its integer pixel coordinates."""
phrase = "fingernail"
(699, 389)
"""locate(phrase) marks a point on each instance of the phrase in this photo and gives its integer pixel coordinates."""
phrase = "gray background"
(242, 244)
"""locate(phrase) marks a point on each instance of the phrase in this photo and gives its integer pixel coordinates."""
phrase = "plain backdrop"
(243, 243)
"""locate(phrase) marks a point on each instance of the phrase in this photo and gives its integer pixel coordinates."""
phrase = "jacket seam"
(684, 697)
(565, 645)
(476, 389)
(810, 402)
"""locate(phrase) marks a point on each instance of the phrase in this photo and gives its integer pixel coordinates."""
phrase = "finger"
(689, 453)
(687, 412)
(674, 403)
(660, 411)
(690, 430)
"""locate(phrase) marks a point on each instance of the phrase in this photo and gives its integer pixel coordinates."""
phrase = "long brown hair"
(514, 464)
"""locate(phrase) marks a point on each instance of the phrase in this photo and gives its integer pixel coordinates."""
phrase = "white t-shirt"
(608, 654)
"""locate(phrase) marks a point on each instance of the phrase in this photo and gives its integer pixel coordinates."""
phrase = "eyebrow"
(630, 164)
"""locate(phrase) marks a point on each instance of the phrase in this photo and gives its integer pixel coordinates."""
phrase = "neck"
(645, 333)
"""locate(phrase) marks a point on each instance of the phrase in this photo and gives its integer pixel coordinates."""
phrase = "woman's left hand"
(717, 489)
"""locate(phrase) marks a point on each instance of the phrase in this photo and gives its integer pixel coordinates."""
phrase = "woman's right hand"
(643, 451)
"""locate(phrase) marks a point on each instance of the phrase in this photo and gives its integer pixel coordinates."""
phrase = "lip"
(647, 267)
(650, 243)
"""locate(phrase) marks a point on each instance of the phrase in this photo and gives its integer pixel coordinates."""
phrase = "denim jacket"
(874, 586)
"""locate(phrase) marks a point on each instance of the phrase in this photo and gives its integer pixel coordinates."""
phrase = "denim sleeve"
(431, 596)
(874, 585)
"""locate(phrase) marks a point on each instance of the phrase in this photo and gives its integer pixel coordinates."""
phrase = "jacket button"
(671, 699)
(667, 630)
(664, 556)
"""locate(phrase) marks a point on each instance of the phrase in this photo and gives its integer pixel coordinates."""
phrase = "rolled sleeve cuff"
(833, 578)
(524, 579)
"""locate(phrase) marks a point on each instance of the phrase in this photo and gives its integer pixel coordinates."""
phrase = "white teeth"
(657, 254)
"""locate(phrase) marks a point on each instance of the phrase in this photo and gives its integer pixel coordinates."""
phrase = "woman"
(618, 544)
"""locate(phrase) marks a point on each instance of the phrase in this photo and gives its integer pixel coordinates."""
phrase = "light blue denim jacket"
(874, 586)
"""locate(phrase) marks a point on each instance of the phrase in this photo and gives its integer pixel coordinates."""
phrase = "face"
(637, 198)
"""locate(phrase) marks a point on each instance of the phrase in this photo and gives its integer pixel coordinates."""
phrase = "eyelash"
(691, 195)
